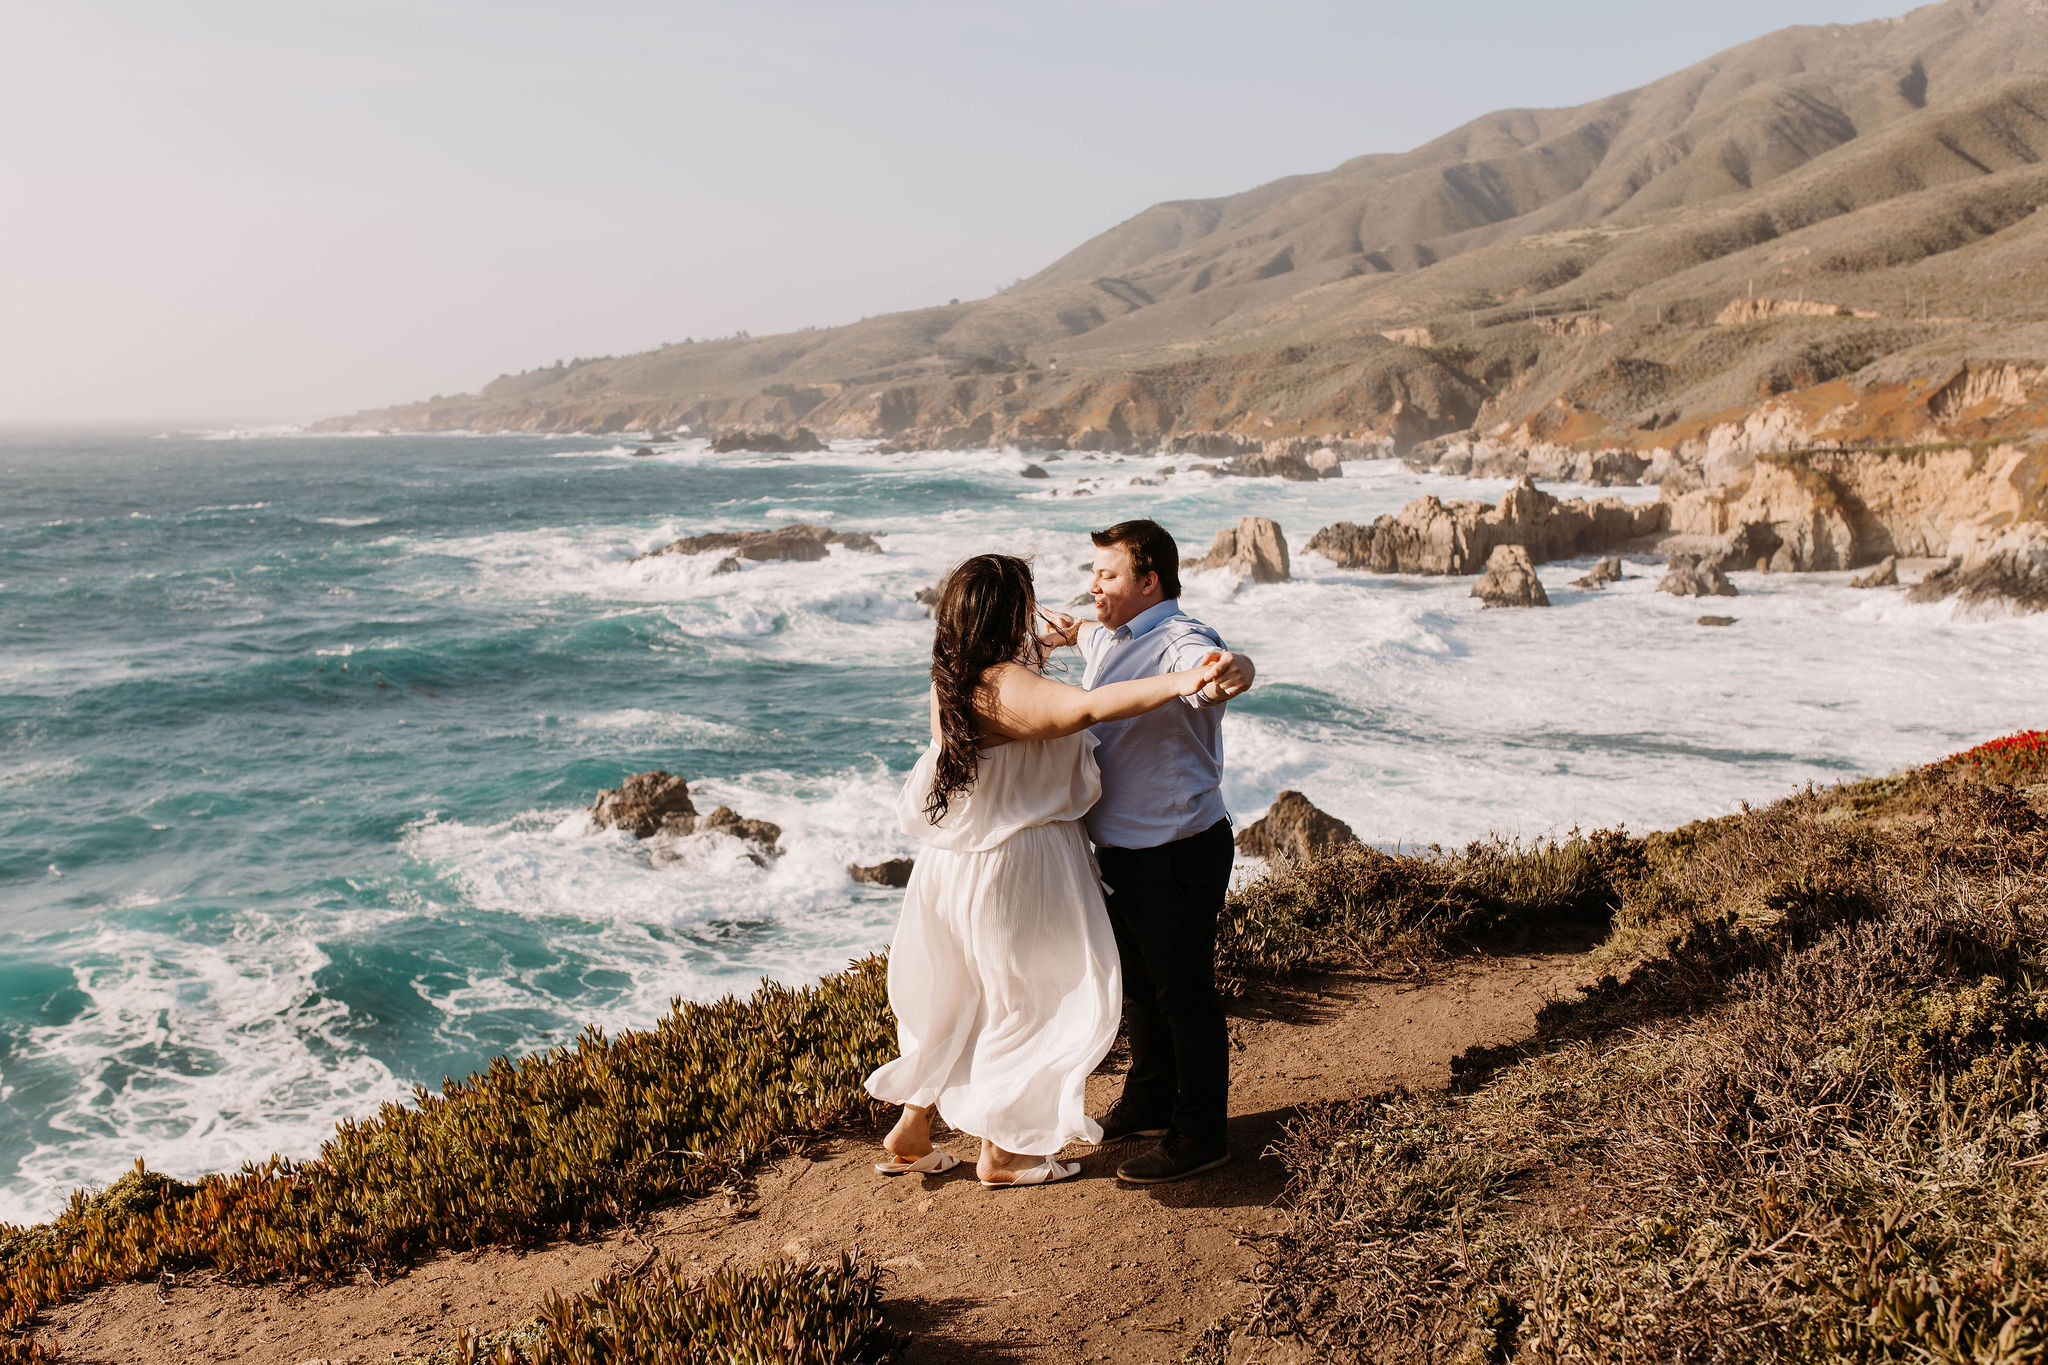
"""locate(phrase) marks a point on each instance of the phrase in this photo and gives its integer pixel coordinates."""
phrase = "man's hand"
(1061, 629)
(1232, 679)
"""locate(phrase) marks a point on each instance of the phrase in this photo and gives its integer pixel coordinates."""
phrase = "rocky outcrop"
(798, 541)
(1715, 621)
(1281, 464)
(1694, 576)
(1033, 471)
(646, 804)
(1510, 580)
(1255, 548)
(764, 839)
(1744, 310)
(1293, 830)
(658, 802)
(2009, 575)
(1433, 537)
(892, 872)
(1608, 570)
(802, 441)
(1784, 518)
(1885, 575)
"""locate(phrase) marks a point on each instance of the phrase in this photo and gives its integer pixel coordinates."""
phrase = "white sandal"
(1044, 1173)
(934, 1162)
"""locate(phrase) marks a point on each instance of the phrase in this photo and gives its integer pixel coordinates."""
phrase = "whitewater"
(296, 733)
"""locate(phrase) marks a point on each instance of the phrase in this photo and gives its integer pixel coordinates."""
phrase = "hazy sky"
(288, 208)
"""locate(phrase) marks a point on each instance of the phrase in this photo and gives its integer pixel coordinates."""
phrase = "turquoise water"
(295, 733)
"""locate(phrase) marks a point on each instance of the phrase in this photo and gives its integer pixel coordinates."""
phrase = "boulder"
(1032, 471)
(1271, 464)
(2009, 575)
(1429, 536)
(799, 442)
(1885, 575)
(1693, 576)
(798, 541)
(928, 598)
(643, 452)
(765, 839)
(1716, 621)
(1326, 462)
(893, 872)
(646, 804)
(1510, 580)
(1608, 570)
(1293, 830)
(1255, 548)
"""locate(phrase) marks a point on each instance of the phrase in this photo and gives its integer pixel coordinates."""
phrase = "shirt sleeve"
(1187, 651)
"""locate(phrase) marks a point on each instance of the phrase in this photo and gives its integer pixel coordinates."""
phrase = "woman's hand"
(1213, 666)
(1061, 629)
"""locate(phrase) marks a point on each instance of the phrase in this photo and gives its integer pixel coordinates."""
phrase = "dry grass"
(1805, 1125)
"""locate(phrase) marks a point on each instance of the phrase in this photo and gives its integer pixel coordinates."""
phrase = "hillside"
(1848, 203)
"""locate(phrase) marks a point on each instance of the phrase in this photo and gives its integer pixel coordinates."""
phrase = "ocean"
(296, 733)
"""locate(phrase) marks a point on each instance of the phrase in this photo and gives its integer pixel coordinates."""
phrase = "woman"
(1003, 973)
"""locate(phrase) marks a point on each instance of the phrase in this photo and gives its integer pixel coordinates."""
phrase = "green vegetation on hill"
(1801, 1117)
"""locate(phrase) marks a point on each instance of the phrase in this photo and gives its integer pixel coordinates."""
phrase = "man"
(1163, 841)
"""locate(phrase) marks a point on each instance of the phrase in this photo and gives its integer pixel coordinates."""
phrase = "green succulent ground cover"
(1800, 1120)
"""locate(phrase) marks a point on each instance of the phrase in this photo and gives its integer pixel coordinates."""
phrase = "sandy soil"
(1082, 1271)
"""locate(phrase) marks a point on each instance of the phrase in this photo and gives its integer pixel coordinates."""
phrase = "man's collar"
(1148, 618)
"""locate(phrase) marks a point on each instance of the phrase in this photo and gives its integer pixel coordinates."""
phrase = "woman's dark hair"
(1151, 550)
(984, 619)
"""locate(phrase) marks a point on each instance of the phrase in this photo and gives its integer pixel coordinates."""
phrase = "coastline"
(1676, 900)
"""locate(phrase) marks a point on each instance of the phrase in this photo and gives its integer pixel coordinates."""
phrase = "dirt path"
(1088, 1270)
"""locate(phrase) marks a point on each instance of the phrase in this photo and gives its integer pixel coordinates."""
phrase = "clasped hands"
(1223, 674)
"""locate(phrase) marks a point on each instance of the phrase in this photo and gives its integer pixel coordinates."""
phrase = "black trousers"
(1163, 906)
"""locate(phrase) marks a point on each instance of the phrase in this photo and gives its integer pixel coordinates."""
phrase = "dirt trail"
(1084, 1271)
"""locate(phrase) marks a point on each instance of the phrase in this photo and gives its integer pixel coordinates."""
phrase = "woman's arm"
(1018, 704)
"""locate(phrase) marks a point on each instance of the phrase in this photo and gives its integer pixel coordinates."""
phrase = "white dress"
(1003, 973)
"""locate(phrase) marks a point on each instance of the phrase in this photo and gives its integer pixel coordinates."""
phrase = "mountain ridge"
(1891, 168)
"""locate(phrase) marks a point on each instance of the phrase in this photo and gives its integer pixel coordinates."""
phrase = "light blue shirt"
(1162, 772)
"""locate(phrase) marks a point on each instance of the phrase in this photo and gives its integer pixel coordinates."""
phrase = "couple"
(1007, 964)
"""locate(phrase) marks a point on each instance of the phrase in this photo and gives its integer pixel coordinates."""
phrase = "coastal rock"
(1715, 621)
(643, 452)
(798, 541)
(892, 872)
(1294, 830)
(765, 839)
(646, 804)
(1270, 464)
(1032, 471)
(1429, 536)
(928, 598)
(1693, 576)
(802, 441)
(1510, 580)
(1777, 517)
(2008, 575)
(1255, 548)
(1885, 575)
(1326, 462)
(1608, 570)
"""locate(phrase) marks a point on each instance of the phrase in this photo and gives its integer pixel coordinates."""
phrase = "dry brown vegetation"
(1800, 1120)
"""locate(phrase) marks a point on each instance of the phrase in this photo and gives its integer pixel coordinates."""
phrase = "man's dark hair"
(1151, 549)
